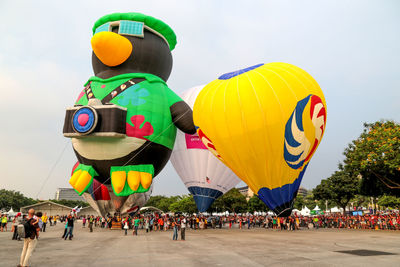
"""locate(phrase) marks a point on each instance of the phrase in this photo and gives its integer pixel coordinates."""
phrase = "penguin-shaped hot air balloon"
(123, 124)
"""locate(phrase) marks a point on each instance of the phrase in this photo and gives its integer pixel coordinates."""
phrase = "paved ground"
(213, 247)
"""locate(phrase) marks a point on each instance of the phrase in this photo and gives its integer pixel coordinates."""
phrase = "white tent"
(336, 209)
(295, 211)
(317, 208)
(11, 212)
(305, 211)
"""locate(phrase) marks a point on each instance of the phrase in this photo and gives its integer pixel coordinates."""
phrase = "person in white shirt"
(183, 228)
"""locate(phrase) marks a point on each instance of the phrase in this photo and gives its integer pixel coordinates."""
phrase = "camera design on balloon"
(95, 120)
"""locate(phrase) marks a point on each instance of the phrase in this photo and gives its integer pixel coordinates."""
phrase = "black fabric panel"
(182, 116)
(148, 153)
(284, 210)
(68, 122)
(149, 55)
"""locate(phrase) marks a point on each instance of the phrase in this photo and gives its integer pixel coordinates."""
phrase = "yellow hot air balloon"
(265, 123)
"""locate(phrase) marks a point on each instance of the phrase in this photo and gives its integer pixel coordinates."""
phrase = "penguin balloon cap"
(128, 42)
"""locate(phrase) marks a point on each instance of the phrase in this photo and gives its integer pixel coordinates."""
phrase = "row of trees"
(370, 170)
(232, 201)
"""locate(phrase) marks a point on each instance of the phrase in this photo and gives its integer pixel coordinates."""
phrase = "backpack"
(27, 228)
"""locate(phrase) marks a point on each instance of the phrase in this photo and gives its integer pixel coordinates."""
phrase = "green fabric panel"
(92, 173)
(149, 21)
(150, 98)
(172, 97)
(148, 168)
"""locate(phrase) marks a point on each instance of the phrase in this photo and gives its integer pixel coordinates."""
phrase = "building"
(68, 194)
(246, 191)
(87, 211)
(302, 191)
(48, 207)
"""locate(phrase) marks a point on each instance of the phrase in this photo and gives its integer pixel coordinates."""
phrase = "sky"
(351, 48)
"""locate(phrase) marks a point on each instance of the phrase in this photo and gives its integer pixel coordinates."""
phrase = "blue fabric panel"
(103, 28)
(131, 28)
(204, 197)
(232, 74)
(278, 196)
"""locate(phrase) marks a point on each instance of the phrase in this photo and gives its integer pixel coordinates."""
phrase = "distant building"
(302, 191)
(246, 191)
(48, 207)
(68, 194)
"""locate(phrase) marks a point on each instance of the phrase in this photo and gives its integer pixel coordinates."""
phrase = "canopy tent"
(295, 211)
(336, 209)
(317, 208)
(11, 212)
(305, 211)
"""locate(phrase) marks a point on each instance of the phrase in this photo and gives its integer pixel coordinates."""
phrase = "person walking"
(183, 228)
(83, 221)
(31, 226)
(65, 230)
(44, 220)
(70, 227)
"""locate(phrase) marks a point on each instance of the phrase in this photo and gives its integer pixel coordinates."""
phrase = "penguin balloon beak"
(111, 48)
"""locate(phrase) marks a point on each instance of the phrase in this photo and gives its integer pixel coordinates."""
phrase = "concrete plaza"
(212, 247)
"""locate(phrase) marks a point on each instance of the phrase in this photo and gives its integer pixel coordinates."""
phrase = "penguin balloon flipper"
(182, 117)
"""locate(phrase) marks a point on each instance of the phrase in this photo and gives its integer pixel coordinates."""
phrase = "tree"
(232, 201)
(375, 157)
(256, 204)
(162, 202)
(389, 201)
(13, 199)
(186, 205)
(340, 188)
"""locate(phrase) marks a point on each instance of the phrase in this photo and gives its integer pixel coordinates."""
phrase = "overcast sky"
(351, 48)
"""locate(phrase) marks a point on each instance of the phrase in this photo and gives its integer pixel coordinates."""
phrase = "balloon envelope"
(203, 174)
(101, 198)
(265, 122)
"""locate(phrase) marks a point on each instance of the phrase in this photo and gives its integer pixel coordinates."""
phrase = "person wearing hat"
(131, 61)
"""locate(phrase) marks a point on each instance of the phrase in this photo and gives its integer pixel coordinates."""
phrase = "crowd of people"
(156, 222)
(28, 226)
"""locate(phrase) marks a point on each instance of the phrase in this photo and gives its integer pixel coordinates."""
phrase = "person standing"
(70, 227)
(44, 220)
(146, 224)
(83, 221)
(136, 225)
(183, 228)
(4, 221)
(126, 226)
(31, 235)
(15, 228)
(91, 221)
(175, 227)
